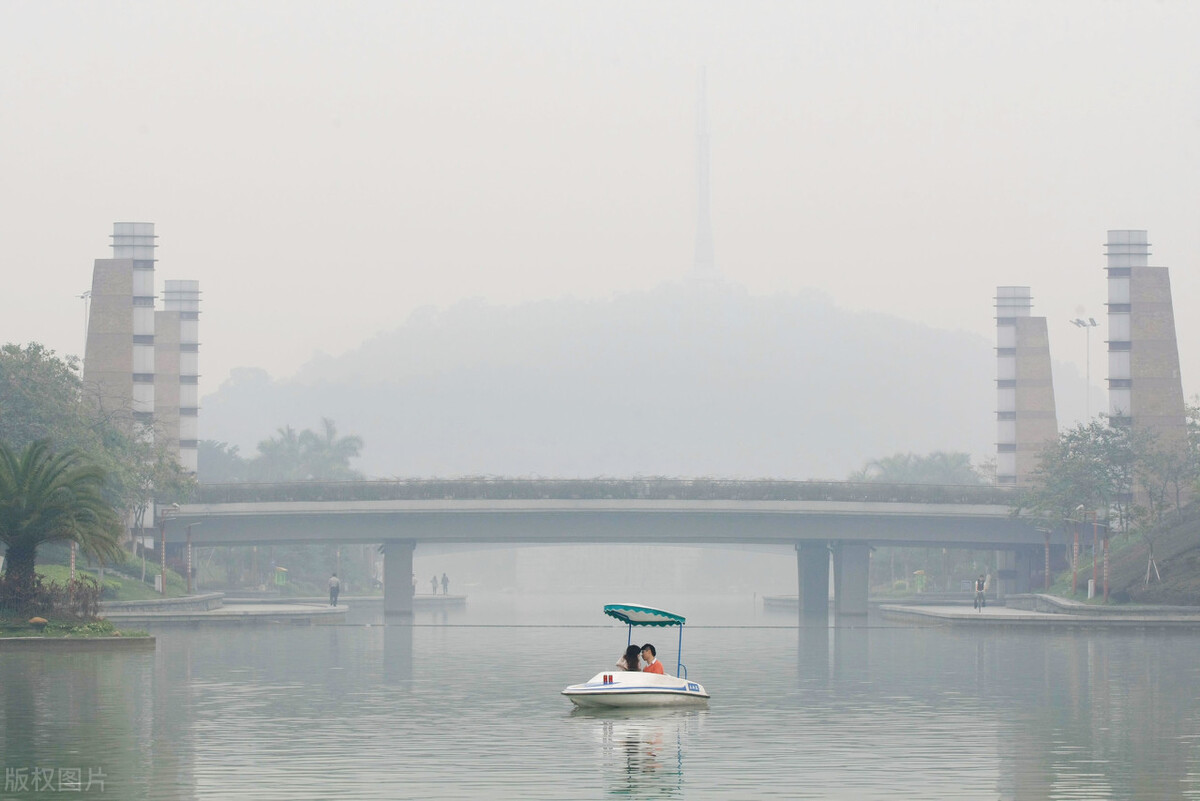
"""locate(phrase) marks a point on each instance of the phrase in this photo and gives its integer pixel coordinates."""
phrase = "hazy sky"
(323, 169)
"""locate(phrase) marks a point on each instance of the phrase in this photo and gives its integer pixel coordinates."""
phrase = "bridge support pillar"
(812, 565)
(1013, 569)
(851, 577)
(1026, 559)
(397, 577)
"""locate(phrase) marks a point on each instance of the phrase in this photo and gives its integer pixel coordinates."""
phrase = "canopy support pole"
(679, 652)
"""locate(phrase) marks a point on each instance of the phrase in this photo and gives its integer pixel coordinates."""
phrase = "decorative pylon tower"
(1145, 389)
(1026, 419)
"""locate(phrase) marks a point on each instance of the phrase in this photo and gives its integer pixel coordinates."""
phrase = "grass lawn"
(119, 588)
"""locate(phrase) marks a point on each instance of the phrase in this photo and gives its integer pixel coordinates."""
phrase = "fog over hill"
(684, 380)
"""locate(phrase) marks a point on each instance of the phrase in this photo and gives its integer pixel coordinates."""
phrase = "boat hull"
(632, 689)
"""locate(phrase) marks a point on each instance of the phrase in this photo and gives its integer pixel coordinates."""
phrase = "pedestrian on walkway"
(334, 586)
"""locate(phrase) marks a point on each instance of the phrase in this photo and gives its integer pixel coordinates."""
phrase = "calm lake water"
(466, 704)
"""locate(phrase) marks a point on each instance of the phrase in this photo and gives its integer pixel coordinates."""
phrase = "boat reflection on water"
(641, 751)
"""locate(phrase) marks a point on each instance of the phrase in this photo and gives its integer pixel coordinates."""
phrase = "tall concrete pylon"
(1026, 419)
(1145, 388)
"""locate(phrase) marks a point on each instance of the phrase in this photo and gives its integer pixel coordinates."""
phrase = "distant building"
(140, 365)
(1145, 389)
(1026, 420)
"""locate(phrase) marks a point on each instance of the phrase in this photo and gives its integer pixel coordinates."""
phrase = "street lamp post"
(162, 541)
(86, 297)
(1087, 325)
(1079, 510)
(1106, 564)
(162, 551)
(1046, 565)
(189, 557)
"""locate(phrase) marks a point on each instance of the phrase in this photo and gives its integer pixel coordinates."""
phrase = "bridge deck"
(556, 520)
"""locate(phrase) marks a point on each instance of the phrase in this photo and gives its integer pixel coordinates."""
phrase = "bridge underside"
(847, 533)
(602, 526)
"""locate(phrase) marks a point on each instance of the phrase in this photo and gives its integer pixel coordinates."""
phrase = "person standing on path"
(445, 585)
(433, 586)
(334, 586)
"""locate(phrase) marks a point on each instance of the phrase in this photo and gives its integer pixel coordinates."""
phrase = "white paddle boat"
(631, 688)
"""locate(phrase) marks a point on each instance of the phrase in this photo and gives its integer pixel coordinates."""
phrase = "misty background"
(329, 171)
(688, 379)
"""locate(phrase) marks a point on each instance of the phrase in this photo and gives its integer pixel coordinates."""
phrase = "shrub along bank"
(63, 629)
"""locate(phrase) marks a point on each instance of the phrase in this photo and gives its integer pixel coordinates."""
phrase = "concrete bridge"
(823, 520)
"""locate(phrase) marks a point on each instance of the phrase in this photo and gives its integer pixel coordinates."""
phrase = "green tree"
(280, 457)
(140, 472)
(939, 467)
(1092, 466)
(47, 497)
(1167, 468)
(40, 398)
(327, 456)
(1126, 479)
(220, 463)
(306, 455)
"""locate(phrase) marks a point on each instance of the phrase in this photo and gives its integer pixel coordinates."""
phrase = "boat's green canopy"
(636, 615)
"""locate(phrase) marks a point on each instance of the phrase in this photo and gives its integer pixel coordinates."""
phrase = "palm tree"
(279, 458)
(48, 497)
(909, 468)
(327, 455)
(307, 455)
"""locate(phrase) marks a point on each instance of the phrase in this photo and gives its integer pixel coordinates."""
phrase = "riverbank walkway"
(1034, 610)
(299, 614)
(216, 608)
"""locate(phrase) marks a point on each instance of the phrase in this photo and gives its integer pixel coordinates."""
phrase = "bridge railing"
(603, 488)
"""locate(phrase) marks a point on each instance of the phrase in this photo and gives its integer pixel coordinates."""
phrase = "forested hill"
(683, 380)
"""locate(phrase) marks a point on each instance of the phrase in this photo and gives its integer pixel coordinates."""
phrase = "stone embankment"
(73, 644)
(211, 608)
(1047, 611)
